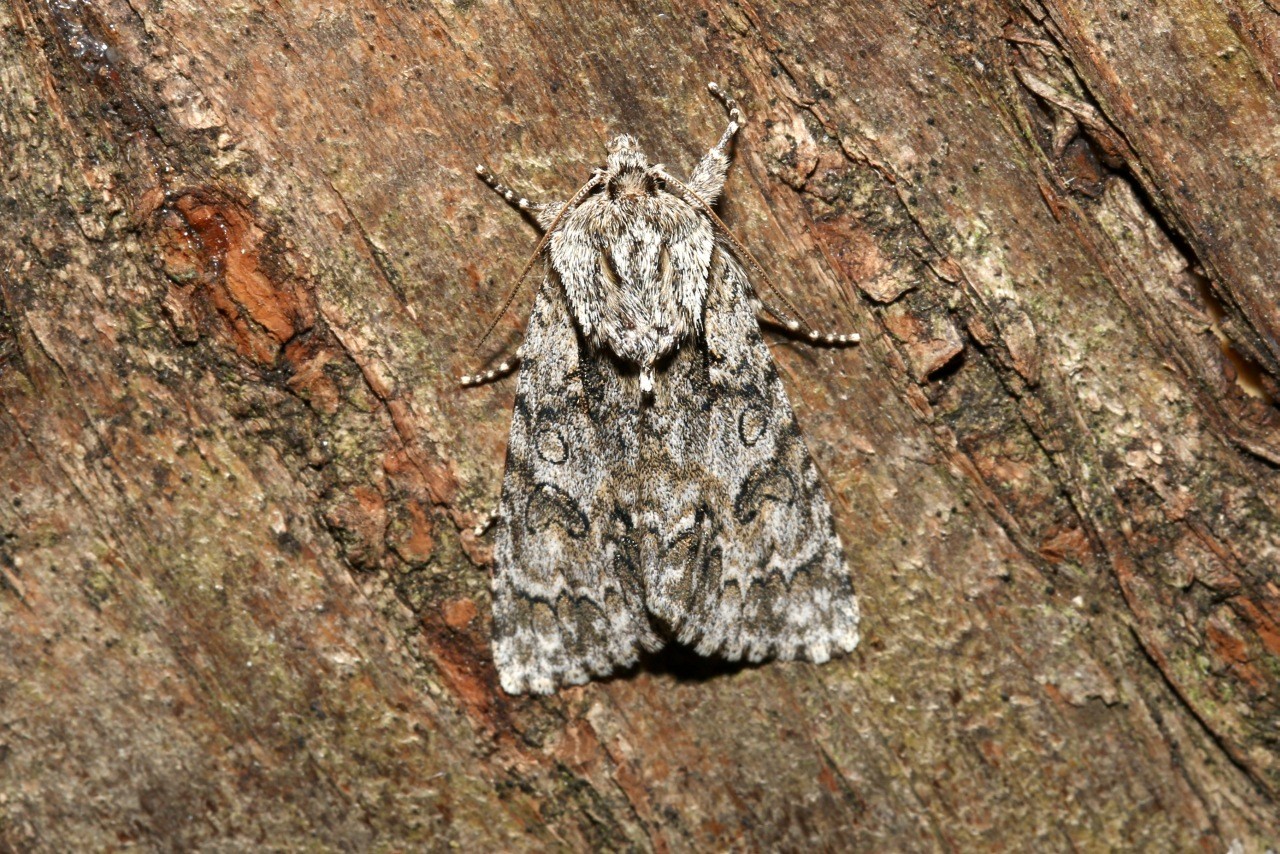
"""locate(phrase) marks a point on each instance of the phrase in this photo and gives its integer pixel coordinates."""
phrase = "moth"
(657, 488)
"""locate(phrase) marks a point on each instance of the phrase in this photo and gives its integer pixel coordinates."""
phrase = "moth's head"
(628, 175)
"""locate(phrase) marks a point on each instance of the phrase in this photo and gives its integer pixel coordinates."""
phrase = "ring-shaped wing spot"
(752, 422)
(550, 443)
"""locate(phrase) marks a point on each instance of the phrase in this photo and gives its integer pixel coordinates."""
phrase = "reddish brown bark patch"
(244, 293)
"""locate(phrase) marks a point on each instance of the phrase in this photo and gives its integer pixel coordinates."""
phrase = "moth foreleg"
(736, 118)
(708, 177)
(544, 212)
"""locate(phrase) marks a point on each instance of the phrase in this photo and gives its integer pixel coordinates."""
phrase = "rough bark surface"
(243, 255)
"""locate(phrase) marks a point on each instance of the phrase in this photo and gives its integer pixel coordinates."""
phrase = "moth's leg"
(507, 366)
(485, 523)
(774, 317)
(709, 175)
(544, 212)
(767, 315)
(736, 119)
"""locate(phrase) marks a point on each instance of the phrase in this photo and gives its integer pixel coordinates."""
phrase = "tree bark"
(244, 257)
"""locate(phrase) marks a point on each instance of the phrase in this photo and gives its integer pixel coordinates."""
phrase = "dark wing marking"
(740, 554)
(567, 593)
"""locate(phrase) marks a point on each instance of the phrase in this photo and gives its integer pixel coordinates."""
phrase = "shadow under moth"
(657, 488)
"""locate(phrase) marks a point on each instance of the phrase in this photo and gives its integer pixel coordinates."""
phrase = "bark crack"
(1224, 745)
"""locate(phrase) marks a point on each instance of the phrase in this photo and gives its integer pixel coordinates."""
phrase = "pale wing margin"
(568, 602)
(741, 557)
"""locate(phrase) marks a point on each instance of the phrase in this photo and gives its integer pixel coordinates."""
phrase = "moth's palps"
(657, 488)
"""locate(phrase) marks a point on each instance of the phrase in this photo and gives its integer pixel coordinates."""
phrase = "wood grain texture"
(243, 256)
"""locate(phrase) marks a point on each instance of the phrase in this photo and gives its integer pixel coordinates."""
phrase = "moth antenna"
(582, 193)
